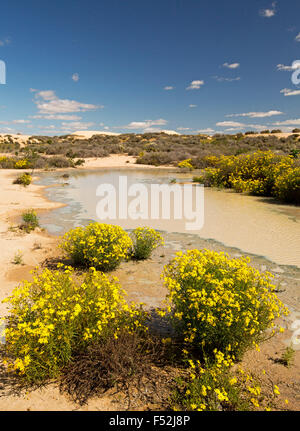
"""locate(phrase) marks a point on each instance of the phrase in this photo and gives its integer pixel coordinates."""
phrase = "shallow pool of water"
(251, 224)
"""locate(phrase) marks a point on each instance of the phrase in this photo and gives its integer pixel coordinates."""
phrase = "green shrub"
(220, 303)
(24, 179)
(145, 240)
(100, 245)
(30, 221)
(56, 314)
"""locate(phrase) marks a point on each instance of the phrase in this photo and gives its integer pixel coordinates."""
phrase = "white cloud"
(257, 114)
(76, 125)
(208, 130)
(231, 65)
(222, 79)
(145, 124)
(58, 117)
(168, 88)
(288, 92)
(295, 122)
(75, 77)
(183, 128)
(268, 13)
(297, 38)
(20, 121)
(193, 106)
(233, 125)
(294, 66)
(48, 103)
(195, 85)
(229, 124)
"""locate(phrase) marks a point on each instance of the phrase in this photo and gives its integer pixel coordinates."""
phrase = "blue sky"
(138, 66)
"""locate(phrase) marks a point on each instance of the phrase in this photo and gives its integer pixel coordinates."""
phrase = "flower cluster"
(186, 164)
(218, 386)
(13, 163)
(56, 314)
(220, 302)
(100, 245)
(145, 240)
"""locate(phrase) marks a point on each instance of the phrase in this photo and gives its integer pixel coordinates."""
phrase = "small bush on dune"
(220, 303)
(145, 240)
(30, 221)
(55, 315)
(24, 180)
(100, 245)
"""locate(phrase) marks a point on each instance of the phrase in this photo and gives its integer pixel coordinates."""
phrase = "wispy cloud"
(168, 88)
(222, 79)
(294, 66)
(236, 125)
(193, 106)
(208, 130)
(231, 65)
(5, 41)
(48, 103)
(269, 13)
(145, 124)
(295, 122)
(57, 117)
(195, 85)
(257, 114)
(297, 38)
(288, 92)
(75, 77)
(76, 125)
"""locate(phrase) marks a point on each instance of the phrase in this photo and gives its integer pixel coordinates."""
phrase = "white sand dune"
(89, 133)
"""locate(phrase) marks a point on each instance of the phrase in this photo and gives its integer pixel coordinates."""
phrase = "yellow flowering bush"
(22, 164)
(100, 245)
(287, 185)
(56, 315)
(218, 302)
(24, 179)
(261, 173)
(145, 240)
(186, 164)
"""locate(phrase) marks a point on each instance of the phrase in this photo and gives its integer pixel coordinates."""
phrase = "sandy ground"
(141, 281)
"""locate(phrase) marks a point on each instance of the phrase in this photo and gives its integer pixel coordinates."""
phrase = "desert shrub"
(24, 179)
(220, 303)
(287, 185)
(60, 162)
(30, 221)
(56, 314)
(100, 245)
(145, 240)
